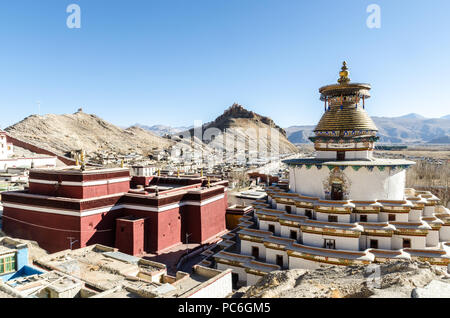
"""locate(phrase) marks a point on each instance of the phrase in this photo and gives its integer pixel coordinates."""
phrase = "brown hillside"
(63, 133)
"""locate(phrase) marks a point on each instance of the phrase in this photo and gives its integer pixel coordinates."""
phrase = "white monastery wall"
(342, 243)
(240, 271)
(444, 233)
(296, 262)
(342, 218)
(218, 288)
(363, 184)
(271, 257)
(246, 248)
(417, 242)
(432, 238)
(384, 243)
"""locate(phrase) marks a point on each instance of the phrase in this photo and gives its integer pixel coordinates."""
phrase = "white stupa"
(343, 206)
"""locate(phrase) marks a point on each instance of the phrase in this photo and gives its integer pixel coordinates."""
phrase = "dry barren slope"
(62, 133)
(398, 279)
(248, 129)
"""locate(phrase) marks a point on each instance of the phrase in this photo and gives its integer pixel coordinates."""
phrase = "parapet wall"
(39, 150)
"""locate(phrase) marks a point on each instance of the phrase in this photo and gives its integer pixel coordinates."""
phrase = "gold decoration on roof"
(347, 118)
(345, 112)
(344, 73)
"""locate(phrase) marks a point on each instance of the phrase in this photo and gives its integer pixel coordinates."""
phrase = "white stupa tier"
(342, 207)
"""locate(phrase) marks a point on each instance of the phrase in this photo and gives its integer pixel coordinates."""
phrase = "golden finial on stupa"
(178, 172)
(209, 182)
(159, 172)
(344, 73)
(201, 173)
(122, 164)
(77, 163)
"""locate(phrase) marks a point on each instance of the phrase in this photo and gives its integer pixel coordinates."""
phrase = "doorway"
(280, 260)
(330, 244)
(373, 243)
(234, 280)
(340, 156)
(406, 243)
(336, 191)
(255, 252)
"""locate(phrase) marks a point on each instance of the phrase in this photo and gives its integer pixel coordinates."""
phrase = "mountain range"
(407, 129)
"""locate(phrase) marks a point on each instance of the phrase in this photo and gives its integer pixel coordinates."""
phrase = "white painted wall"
(432, 238)
(417, 242)
(399, 217)
(296, 262)
(364, 184)
(444, 233)
(370, 217)
(252, 279)
(414, 215)
(246, 249)
(286, 231)
(220, 288)
(342, 218)
(428, 210)
(342, 243)
(271, 257)
(26, 162)
(242, 274)
(384, 243)
(264, 225)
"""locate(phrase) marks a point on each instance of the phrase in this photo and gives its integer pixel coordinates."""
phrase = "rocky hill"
(411, 128)
(247, 128)
(398, 279)
(64, 133)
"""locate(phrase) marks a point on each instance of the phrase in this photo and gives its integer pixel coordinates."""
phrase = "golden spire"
(344, 73)
(201, 173)
(122, 164)
(178, 172)
(209, 182)
(77, 163)
(159, 172)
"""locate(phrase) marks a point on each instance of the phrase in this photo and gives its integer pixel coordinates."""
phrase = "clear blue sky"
(175, 61)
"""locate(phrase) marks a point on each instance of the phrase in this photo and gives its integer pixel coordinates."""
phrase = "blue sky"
(175, 61)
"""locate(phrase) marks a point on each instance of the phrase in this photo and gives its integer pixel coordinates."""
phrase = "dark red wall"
(130, 236)
(52, 240)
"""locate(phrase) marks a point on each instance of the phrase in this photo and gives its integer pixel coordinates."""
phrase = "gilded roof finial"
(344, 73)
(122, 163)
(83, 165)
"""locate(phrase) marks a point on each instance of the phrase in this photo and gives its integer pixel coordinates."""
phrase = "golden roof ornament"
(344, 73)
(83, 166)
(122, 163)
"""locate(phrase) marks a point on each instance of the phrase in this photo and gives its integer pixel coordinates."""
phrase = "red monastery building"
(96, 206)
